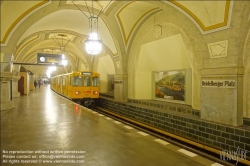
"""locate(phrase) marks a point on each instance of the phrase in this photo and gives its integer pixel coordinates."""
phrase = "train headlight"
(78, 92)
(95, 92)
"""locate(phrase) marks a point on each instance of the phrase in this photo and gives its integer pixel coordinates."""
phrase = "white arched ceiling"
(72, 20)
(208, 16)
(13, 13)
(130, 15)
(100, 5)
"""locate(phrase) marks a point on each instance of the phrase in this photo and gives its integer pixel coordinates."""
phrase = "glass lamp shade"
(93, 45)
(48, 73)
(52, 68)
(64, 62)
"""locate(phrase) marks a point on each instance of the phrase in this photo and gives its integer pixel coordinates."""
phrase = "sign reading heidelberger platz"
(219, 83)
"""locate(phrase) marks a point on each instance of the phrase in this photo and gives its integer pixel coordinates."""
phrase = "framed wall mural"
(172, 85)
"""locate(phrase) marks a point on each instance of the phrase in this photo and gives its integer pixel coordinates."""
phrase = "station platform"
(46, 129)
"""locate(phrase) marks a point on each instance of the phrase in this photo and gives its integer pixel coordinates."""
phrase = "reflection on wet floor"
(48, 122)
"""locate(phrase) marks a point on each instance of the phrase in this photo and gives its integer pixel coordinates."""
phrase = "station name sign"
(218, 83)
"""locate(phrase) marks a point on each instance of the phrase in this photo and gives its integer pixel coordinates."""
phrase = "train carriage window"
(76, 81)
(86, 81)
(95, 81)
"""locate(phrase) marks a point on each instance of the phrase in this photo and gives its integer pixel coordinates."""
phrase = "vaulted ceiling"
(43, 26)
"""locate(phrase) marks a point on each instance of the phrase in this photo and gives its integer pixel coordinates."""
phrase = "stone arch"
(246, 77)
(148, 33)
(7, 68)
(23, 69)
(45, 11)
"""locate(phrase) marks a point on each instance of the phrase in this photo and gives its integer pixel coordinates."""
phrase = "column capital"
(5, 76)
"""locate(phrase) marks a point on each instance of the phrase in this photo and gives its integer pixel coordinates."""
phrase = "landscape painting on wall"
(170, 85)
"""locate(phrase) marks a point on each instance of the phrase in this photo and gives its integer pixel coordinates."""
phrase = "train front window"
(86, 81)
(95, 81)
(76, 81)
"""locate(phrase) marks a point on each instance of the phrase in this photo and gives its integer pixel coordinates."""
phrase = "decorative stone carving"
(118, 64)
(218, 49)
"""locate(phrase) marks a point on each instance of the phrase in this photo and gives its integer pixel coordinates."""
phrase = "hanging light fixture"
(93, 44)
(64, 61)
(62, 46)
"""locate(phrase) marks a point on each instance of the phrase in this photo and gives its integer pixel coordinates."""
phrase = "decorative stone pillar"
(121, 87)
(222, 95)
(6, 103)
(15, 79)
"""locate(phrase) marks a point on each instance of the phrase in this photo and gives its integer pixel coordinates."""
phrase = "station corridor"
(44, 124)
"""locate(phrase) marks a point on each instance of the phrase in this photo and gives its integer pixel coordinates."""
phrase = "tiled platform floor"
(45, 121)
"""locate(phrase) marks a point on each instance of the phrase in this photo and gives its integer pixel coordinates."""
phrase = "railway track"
(181, 143)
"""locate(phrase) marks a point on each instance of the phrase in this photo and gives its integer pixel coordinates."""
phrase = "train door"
(58, 84)
(61, 84)
(69, 86)
(95, 83)
(87, 87)
(66, 86)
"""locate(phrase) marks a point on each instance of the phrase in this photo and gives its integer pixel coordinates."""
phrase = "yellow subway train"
(81, 86)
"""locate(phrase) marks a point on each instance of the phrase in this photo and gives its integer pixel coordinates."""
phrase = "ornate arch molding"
(246, 63)
(168, 29)
(137, 24)
(225, 24)
(50, 31)
(21, 18)
(31, 39)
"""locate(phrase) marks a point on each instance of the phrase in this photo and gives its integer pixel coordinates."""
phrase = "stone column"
(222, 95)
(6, 103)
(31, 82)
(15, 92)
(121, 87)
(15, 78)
